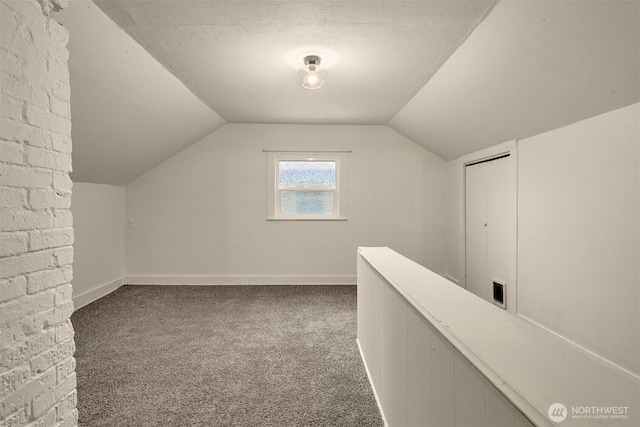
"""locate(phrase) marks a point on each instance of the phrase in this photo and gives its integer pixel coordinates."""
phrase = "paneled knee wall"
(437, 355)
(419, 377)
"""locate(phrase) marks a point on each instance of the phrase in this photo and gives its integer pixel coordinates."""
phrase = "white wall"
(202, 214)
(578, 250)
(455, 223)
(99, 224)
(578, 233)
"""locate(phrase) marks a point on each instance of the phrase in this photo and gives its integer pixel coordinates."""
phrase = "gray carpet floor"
(222, 356)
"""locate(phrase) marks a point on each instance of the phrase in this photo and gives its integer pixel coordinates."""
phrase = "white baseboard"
(375, 393)
(98, 292)
(240, 280)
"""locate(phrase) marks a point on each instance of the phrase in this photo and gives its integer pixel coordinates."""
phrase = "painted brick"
(62, 183)
(62, 202)
(59, 107)
(58, 33)
(47, 319)
(38, 386)
(13, 380)
(12, 288)
(13, 198)
(13, 130)
(17, 89)
(64, 331)
(51, 238)
(10, 108)
(65, 368)
(25, 220)
(70, 420)
(62, 313)
(16, 31)
(46, 420)
(62, 55)
(25, 306)
(46, 279)
(42, 199)
(25, 263)
(43, 403)
(11, 64)
(58, 39)
(13, 244)
(15, 355)
(33, 324)
(63, 256)
(49, 6)
(67, 405)
(63, 294)
(47, 199)
(62, 218)
(61, 143)
(48, 159)
(11, 152)
(33, 73)
(19, 418)
(53, 356)
(12, 333)
(29, 10)
(44, 119)
(17, 176)
(37, 379)
(58, 70)
(60, 90)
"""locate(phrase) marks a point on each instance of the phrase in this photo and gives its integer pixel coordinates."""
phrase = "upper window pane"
(306, 174)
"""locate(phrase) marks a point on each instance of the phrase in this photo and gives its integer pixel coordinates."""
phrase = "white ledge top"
(532, 367)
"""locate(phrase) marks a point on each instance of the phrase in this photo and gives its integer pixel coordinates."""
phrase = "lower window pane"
(306, 202)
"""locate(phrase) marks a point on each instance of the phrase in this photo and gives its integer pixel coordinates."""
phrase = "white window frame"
(339, 211)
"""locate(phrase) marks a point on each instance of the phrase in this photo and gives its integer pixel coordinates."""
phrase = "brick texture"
(37, 367)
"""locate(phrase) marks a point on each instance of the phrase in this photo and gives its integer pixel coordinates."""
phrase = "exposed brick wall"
(37, 368)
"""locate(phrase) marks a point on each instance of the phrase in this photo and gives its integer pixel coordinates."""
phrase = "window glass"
(306, 202)
(306, 174)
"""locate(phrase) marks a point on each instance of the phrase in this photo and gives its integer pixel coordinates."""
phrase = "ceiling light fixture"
(312, 75)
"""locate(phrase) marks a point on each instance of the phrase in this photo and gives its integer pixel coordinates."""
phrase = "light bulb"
(312, 79)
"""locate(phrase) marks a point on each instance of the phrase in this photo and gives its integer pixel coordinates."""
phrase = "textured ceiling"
(149, 78)
(242, 57)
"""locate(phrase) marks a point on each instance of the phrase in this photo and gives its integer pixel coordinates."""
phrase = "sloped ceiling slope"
(128, 112)
(531, 66)
(453, 76)
(242, 57)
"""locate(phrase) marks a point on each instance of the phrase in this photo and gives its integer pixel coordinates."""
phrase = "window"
(307, 185)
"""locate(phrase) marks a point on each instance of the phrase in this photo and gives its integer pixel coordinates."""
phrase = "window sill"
(316, 218)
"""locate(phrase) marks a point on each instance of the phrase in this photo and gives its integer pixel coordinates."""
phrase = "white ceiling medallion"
(312, 75)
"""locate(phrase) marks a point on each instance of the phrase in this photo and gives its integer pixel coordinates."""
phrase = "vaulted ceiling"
(150, 78)
(531, 66)
(242, 57)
